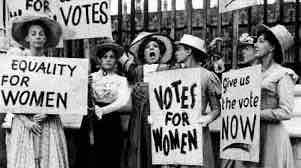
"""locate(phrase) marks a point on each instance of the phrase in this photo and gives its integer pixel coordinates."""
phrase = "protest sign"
(230, 5)
(175, 107)
(25, 7)
(84, 19)
(43, 85)
(240, 116)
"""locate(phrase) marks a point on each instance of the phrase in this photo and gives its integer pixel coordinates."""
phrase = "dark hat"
(109, 44)
(21, 24)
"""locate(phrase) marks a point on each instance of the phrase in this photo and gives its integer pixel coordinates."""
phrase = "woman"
(36, 140)
(277, 99)
(151, 52)
(246, 44)
(190, 50)
(101, 132)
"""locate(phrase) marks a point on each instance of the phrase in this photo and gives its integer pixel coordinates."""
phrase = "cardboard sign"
(25, 7)
(43, 85)
(175, 107)
(240, 116)
(230, 5)
(84, 19)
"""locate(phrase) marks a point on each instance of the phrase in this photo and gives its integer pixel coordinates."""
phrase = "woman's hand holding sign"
(98, 112)
(39, 117)
(205, 120)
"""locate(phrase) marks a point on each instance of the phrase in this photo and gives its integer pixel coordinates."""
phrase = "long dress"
(109, 93)
(139, 147)
(27, 150)
(277, 102)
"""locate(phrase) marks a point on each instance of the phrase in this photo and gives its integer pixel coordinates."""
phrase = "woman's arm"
(284, 111)
(123, 97)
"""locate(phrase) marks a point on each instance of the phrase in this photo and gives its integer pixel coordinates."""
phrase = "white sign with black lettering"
(175, 106)
(240, 116)
(43, 85)
(84, 19)
(230, 5)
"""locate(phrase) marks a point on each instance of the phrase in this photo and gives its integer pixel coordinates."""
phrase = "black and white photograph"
(150, 84)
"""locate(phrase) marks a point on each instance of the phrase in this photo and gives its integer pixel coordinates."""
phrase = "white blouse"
(112, 89)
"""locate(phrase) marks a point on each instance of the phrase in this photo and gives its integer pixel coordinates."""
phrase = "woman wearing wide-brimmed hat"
(36, 140)
(151, 52)
(277, 99)
(110, 92)
(246, 45)
(190, 51)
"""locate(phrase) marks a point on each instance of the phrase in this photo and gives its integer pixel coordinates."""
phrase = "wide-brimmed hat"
(110, 44)
(194, 42)
(246, 39)
(21, 24)
(283, 36)
(135, 45)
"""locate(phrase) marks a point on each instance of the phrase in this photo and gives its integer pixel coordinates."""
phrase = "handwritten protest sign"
(25, 7)
(230, 5)
(84, 19)
(174, 108)
(43, 85)
(240, 115)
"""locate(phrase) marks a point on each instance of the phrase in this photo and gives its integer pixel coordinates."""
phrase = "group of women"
(38, 141)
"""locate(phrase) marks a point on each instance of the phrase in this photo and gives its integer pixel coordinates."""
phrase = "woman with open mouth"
(152, 52)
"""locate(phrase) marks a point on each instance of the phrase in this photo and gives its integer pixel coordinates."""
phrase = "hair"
(277, 52)
(39, 23)
(198, 55)
(101, 52)
(142, 46)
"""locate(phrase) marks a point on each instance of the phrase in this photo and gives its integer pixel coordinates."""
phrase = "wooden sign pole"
(235, 38)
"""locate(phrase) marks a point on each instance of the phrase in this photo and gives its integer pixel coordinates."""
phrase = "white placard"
(43, 85)
(84, 19)
(175, 108)
(240, 116)
(230, 5)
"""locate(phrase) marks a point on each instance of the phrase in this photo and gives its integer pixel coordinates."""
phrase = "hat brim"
(21, 25)
(263, 28)
(114, 46)
(200, 51)
(166, 57)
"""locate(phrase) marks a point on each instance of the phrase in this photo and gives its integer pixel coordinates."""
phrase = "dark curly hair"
(277, 52)
(145, 42)
(198, 55)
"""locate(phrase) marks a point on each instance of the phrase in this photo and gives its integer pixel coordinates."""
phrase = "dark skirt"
(106, 150)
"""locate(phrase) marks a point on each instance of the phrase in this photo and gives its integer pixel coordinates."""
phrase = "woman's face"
(36, 36)
(108, 61)
(262, 47)
(152, 53)
(181, 54)
(248, 53)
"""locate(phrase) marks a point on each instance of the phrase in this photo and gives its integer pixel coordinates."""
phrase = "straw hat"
(246, 39)
(110, 44)
(134, 47)
(20, 26)
(284, 37)
(194, 42)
